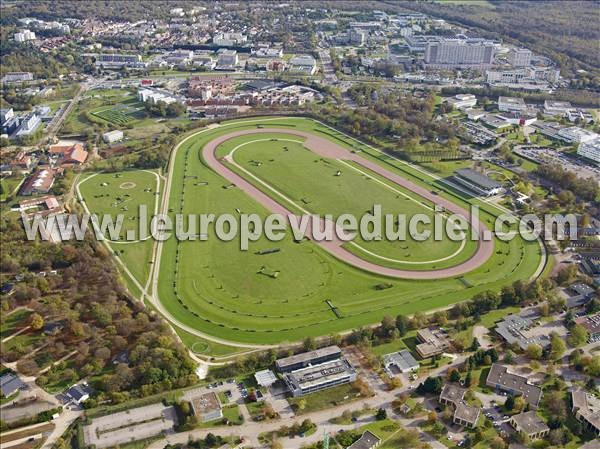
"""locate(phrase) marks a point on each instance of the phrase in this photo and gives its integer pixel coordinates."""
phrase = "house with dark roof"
(79, 393)
(499, 378)
(586, 408)
(530, 424)
(10, 384)
(368, 440)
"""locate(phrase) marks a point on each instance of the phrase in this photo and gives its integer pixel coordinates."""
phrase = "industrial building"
(305, 359)
(318, 377)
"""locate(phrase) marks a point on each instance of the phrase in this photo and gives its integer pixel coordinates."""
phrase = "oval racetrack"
(326, 148)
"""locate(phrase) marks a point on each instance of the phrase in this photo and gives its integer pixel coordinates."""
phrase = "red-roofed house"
(69, 154)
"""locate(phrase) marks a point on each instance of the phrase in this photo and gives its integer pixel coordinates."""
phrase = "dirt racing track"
(328, 149)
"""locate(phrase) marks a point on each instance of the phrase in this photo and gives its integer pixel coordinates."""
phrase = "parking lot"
(132, 425)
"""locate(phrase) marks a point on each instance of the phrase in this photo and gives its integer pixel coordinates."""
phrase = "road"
(251, 429)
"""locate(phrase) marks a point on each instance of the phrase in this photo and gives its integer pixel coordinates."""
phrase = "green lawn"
(235, 294)
(123, 193)
(321, 400)
(8, 186)
(11, 323)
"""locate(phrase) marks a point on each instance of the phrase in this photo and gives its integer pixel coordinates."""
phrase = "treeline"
(586, 189)
(94, 316)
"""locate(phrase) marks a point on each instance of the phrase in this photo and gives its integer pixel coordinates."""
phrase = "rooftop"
(315, 375)
(205, 403)
(477, 178)
(368, 440)
(305, 357)
(590, 322)
(452, 393)
(466, 412)
(529, 422)
(500, 377)
(404, 360)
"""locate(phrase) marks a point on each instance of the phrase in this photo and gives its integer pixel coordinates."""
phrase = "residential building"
(530, 424)
(477, 182)
(41, 181)
(303, 64)
(591, 323)
(112, 136)
(519, 57)
(305, 359)
(433, 342)
(229, 39)
(511, 104)
(586, 408)
(10, 384)
(590, 150)
(226, 59)
(500, 378)
(401, 361)
(6, 115)
(462, 101)
(459, 53)
(24, 36)
(320, 376)
(207, 407)
(45, 206)
(69, 154)
(575, 134)
(451, 394)
(368, 440)
(79, 393)
(466, 415)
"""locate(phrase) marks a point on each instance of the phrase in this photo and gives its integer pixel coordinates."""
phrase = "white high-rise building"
(519, 57)
(459, 53)
(24, 35)
(590, 150)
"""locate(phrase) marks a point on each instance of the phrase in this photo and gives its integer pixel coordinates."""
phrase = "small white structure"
(265, 378)
(112, 136)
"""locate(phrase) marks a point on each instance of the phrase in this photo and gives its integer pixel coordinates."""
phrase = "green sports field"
(301, 290)
(123, 193)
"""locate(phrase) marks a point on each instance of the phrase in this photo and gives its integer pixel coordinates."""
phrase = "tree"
(567, 274)
(431, 417)
(301, 404)
(454, 375)
(36, 322)
(557, 346)
(402, 323)
(509, 404)
(431, 385)
(381, 414)
(309, 344)
(534, 351)
(578, 335)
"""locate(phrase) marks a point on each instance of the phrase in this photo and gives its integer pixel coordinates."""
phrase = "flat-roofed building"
(515, 330)
(477, 182)
(459, 53)
(433, 342)
(319, 377)
(511, 104)
(207, 407)
(552, 107)
(590, 150)
(112, 136)
(586, 408)
(575, 134)
(519, 57)
(500, 378)
(462, 101)
(265, 378)
(368, 440)
(530, 424)
(402, 361)
(305, 359)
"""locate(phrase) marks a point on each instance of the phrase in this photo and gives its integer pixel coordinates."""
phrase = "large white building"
(229, 39)
(304, 64)
(575, 134)
(459, 53)
(524, 75)
(463, 101)
(511, 104)
(112, 136)
(519, 57)
(227, 59)
(24, 35)
(590, 150)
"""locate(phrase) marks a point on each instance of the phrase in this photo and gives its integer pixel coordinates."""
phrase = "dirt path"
(326, 148)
